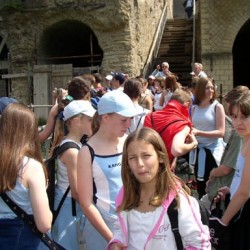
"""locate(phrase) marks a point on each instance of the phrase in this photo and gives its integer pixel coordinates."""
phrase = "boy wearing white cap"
(114, 112)
(77, 117)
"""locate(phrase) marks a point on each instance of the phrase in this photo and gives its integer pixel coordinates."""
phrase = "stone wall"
(220, 23)
(124, 29)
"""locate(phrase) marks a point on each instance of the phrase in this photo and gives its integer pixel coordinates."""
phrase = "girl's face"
(157, 85)
(85, 125)
(143, 161)
(119, 124)
(241, 122)
(209, 90)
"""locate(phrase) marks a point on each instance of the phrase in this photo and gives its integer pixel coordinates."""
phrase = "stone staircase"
(176, 48)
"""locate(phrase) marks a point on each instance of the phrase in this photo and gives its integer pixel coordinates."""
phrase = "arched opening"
(4, 86)
(70, 42)
(241, 55)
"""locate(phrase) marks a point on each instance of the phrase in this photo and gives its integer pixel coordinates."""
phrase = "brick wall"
(220, 23)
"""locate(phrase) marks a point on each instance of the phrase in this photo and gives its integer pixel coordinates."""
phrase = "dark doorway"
(70, 42)
(241, 55)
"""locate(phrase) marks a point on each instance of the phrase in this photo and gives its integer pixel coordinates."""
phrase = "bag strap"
(59, 150)
(173, 217)
(92, 154)
(29, 220)
(56, 212)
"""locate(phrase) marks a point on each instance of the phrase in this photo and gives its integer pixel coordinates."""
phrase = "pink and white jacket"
(195, 235)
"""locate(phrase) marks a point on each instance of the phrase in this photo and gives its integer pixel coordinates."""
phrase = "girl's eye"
(131, 158)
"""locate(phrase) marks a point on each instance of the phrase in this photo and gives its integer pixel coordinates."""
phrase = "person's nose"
(128, 122)
(140, 162)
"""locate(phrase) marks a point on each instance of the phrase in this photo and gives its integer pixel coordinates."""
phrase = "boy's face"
(241, 122)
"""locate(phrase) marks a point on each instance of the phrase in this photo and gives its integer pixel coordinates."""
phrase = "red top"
(168, 122)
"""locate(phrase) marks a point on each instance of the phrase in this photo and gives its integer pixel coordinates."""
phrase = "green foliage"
(41, 121)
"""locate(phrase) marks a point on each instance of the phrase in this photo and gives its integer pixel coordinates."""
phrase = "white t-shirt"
(143, 223)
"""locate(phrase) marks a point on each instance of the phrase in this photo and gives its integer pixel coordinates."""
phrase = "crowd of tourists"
(116, 185)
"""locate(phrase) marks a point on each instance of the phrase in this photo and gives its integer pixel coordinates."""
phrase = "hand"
(118, 246)
(191, 139)
(222, 193)
(54, 93)
(195, 131)
(219, 233)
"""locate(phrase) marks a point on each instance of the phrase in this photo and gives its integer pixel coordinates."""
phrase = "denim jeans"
(16, 235)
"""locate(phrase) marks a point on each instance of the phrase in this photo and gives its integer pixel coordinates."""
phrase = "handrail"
(194, 33)
(156, 41)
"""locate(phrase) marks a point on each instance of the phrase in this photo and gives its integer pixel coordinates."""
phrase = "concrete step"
(176, 48)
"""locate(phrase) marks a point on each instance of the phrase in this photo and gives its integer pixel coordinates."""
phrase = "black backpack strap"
(173, 217)
(56, 212)
(29, 220)
(59, 150)
(91, 150)
(92, 153)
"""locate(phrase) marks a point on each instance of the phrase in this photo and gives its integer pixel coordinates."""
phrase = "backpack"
(51, 170)
(173, 217)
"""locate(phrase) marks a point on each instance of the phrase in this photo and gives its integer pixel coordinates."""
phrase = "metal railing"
(156, 42)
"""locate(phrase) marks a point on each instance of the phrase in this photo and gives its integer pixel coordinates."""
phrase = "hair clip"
(69, 97)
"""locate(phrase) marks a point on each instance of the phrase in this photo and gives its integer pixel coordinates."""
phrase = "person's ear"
(161, 160)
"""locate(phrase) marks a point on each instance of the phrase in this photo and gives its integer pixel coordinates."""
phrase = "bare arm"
(241, 195)
(183, 142)
(149, 103)
(161, 101)
(39, 200)
(69, 158)
(43, 135)
(85, 187)
(220, 125)
(222, 170)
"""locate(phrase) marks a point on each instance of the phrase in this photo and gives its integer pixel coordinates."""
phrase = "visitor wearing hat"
(118, 81)
(4, 102)
(77, 117)
(114, 112)
(108, 79)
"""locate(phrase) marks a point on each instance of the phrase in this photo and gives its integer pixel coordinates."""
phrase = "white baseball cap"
(151, 77)
(109, 77)
(116, 101)
(78, 107)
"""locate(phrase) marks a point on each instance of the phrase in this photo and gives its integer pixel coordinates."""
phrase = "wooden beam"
(8, 76)
(3, 42)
